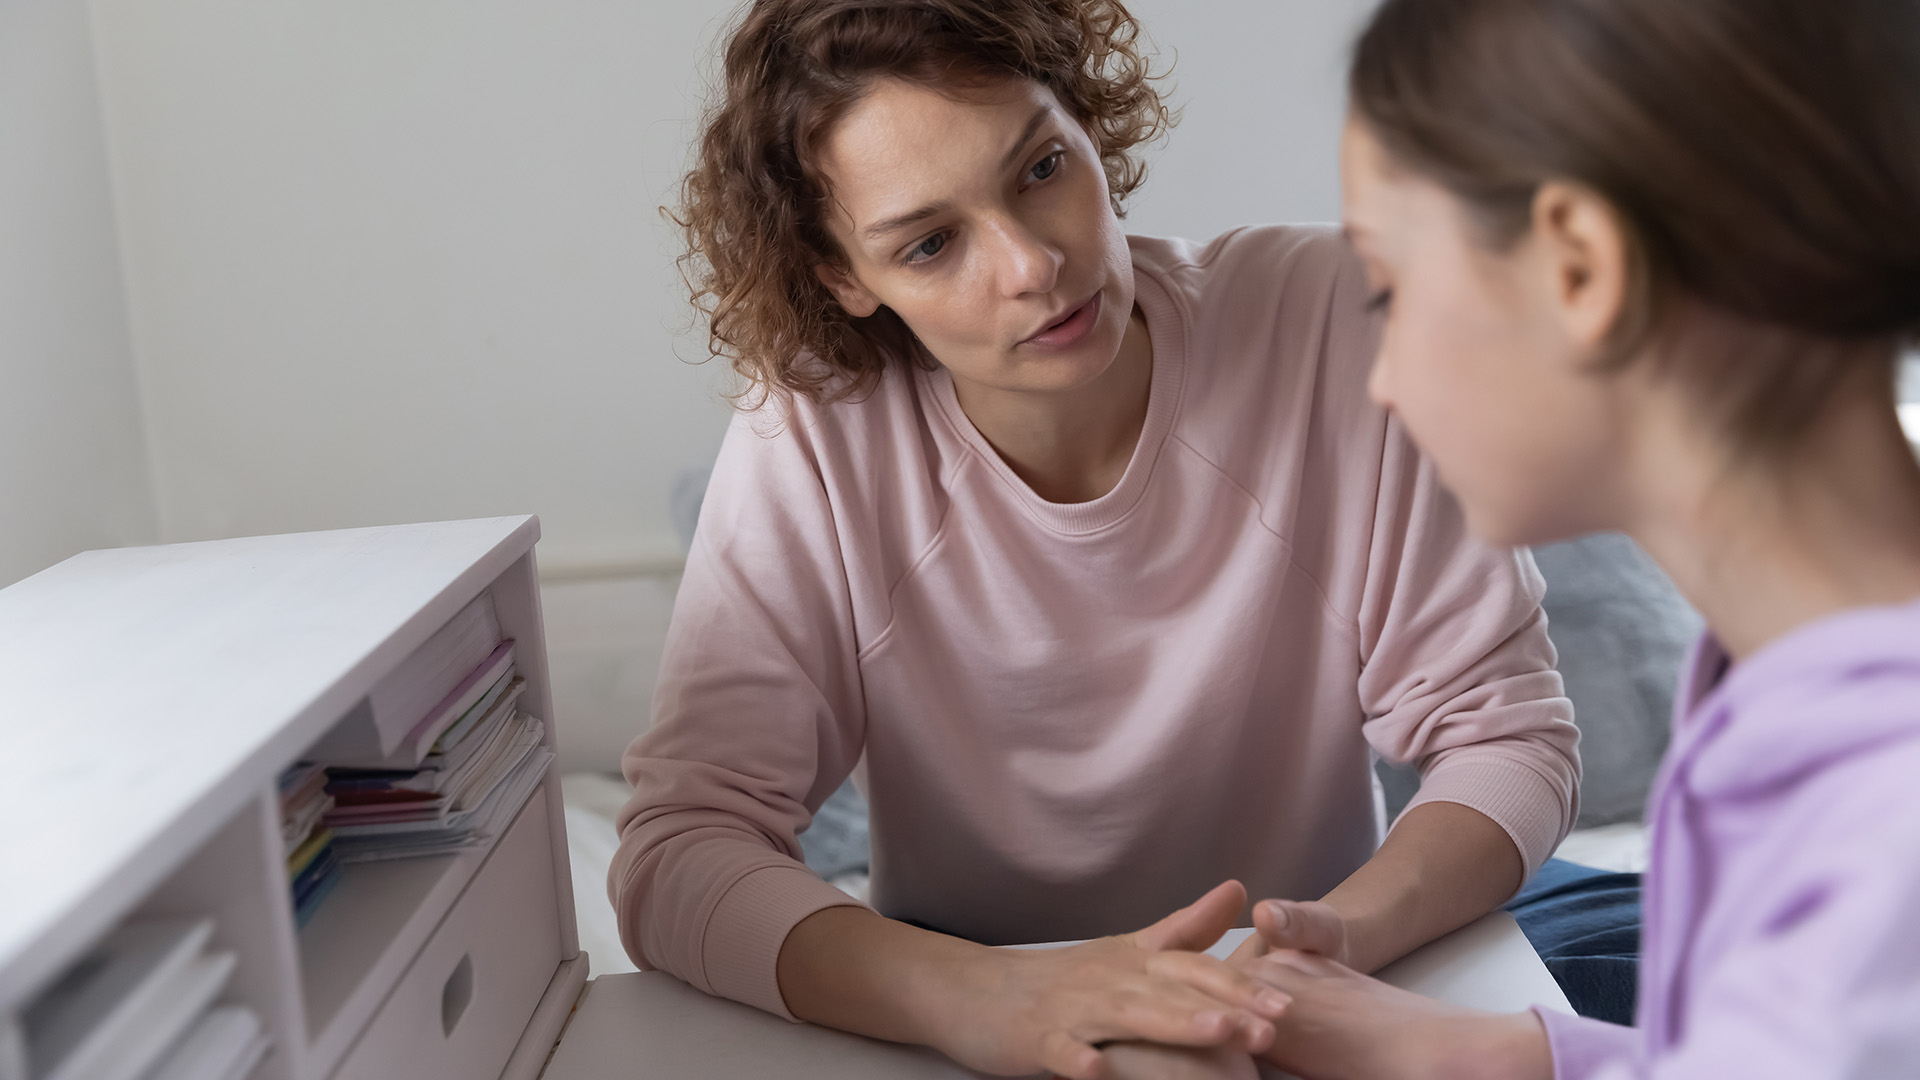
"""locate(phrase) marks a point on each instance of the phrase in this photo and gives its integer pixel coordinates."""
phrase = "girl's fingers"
(1284, 924)
(1221, 981)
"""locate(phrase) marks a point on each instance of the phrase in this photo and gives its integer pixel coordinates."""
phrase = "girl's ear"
(1585, 251)
(852, 295)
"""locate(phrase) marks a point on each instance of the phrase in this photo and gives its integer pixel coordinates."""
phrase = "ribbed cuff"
(741, 943)
(1582, 1047)
(1534, 810)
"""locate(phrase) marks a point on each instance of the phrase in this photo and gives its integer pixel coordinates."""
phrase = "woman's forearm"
(1442, 866)
(852, 969)
(1015, 1012)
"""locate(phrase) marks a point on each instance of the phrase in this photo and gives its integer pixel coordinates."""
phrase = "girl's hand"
(1019, 1011)
(1150, 1061)
(1346, 1026)
(1301, 925)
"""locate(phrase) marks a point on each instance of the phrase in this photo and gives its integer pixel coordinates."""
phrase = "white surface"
(73, 469)
(649, 1023)
(1621, 848)
(135, 715)
(592, 802)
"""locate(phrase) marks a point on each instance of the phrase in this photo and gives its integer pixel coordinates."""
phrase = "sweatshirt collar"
(1168, 331)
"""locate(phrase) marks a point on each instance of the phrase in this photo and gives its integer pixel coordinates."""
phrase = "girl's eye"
(1380, 301)
(928, 248)
(1045, 167)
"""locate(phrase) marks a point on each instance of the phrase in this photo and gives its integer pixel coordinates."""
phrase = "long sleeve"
(758, 718)
(1457, 670)
(1828, 987)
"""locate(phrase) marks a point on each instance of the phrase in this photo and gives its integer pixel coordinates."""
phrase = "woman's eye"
(928, 248)
(1045, 167)
(1380, 301)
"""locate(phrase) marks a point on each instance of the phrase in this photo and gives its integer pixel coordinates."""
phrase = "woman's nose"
(1029, 263)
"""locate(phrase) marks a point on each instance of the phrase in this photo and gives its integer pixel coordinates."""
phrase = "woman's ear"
(1585, 250)
(852, 295)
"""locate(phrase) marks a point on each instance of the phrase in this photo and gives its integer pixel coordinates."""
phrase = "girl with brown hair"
(1087, 551)
(1649, 265)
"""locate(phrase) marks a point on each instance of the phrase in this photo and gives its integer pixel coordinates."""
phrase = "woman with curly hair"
(1087, 555)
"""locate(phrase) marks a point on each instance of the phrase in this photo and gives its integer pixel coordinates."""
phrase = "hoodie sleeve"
(1781, 931)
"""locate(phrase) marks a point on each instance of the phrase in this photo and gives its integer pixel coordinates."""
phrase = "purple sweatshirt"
(1782, 925)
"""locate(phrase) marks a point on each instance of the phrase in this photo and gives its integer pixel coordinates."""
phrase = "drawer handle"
(455, 996)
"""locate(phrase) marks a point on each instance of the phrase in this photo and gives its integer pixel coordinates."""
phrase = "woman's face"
(982, 221)
(1486, 356)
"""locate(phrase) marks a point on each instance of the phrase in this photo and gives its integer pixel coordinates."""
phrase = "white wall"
(1263, 84)
(73, 471)
(399, 259)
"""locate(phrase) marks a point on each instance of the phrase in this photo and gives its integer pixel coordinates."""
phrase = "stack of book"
(313, 867)
(438, 758)
(141, 1006)
(464, 793)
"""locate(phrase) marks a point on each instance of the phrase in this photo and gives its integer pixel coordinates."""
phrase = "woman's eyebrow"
(1026, 136)
(879, 229)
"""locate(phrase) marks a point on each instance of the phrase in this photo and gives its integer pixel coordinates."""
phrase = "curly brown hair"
(752, 206)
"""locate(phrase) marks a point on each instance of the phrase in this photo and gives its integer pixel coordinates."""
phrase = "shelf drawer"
(461, 1005)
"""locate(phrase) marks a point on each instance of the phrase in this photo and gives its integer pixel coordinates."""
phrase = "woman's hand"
(1052, 1009)
(1343, 1025)
(1150, 1061)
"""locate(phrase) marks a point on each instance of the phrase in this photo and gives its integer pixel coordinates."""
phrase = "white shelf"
(161, 691)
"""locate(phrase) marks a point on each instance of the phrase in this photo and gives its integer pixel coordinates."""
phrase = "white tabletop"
(151, 692)
(648, 1024)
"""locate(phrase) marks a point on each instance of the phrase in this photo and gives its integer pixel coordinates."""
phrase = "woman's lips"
(1070, 331)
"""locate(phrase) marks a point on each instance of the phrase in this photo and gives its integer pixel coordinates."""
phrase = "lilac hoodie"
(1782, 925)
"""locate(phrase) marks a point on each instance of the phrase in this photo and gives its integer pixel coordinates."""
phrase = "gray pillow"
(1621, 629)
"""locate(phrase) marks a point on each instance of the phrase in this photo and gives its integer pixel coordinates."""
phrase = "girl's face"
(1487, 356)
(982, 221)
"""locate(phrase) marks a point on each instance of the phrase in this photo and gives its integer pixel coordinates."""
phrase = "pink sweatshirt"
(1073, 718)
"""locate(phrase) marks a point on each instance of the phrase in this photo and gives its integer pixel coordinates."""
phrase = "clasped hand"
(1075, 1011)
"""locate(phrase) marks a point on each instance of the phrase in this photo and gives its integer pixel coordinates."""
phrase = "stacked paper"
(313, 867)
(140, 1007)
(476, 774)
(410, 705)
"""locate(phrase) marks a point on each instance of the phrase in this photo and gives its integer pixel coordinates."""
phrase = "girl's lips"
(1070, 331)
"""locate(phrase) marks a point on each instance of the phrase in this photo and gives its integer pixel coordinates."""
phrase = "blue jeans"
(1585, 924)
